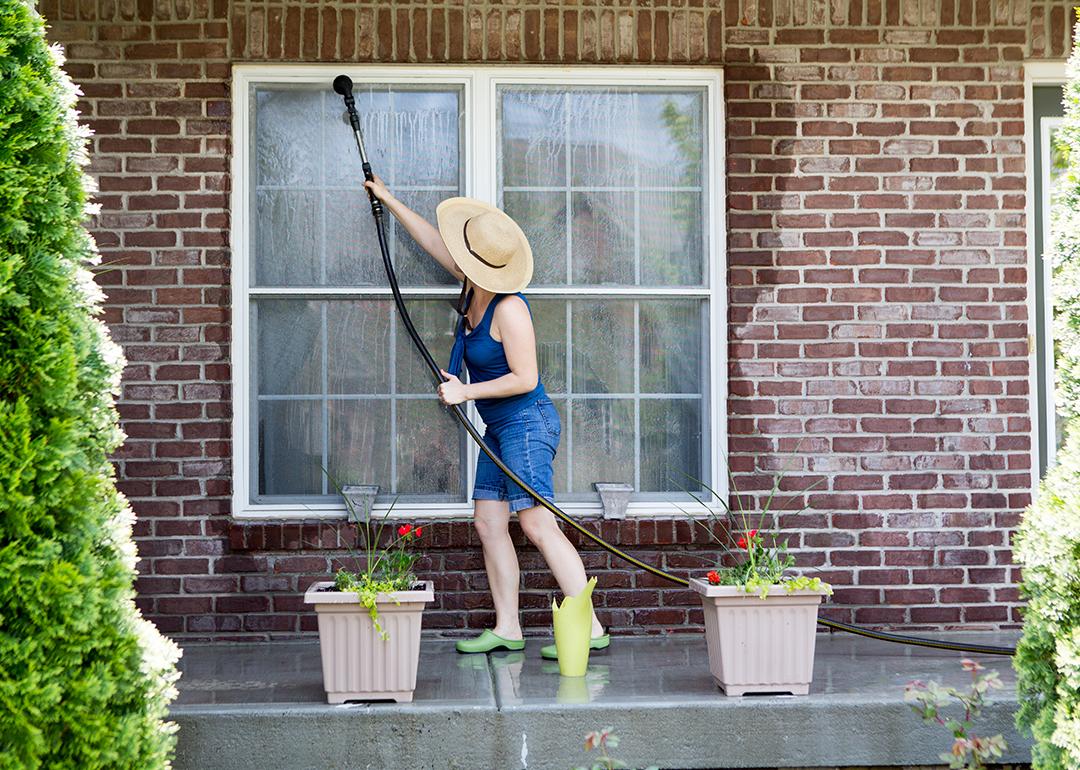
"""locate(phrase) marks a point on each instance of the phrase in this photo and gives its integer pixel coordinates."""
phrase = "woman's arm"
(422, 231)
(519, 343)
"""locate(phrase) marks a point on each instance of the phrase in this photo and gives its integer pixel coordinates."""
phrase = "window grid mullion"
(325, 385)
(569, 301)
(392, 246)
(637, 304)
(637, 396)
(324, 335)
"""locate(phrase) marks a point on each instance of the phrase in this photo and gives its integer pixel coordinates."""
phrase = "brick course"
(877, 264)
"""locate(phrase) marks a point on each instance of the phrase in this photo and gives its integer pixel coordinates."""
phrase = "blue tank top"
(486, 360)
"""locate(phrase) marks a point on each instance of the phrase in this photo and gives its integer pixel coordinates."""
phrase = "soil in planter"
(417, 586)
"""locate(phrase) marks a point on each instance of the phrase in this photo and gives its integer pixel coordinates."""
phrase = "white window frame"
(1038, 73)
(1048, 125)
(479, 84)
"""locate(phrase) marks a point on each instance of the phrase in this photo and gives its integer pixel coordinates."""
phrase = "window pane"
(602, 154)
(672, 347)
(549, 325)
(311, 222)
(603, 442)
(602, 233)
(352, 244)
(533, 138)
(288, 352)
(288, 137)
(671, 243)
(561, 467)
(603, 337)
(620, 169)
(436, 321)
(358, 341)
(288, 237)
(289, 437)
(359, 451)
(413, 265)
(426, 137)
(429, 447)
(670, 138)
(671, 446)
(542, 216)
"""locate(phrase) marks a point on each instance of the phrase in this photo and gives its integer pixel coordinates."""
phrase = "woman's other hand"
(378, 187)
(453, 391)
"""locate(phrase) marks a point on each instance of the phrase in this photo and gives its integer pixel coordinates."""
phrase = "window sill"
(463, 512)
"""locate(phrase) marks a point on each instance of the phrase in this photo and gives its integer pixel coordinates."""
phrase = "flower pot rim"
(315, 596)
(777, 590)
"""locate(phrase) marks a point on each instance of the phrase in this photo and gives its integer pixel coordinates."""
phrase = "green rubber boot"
(550, 652)
(487, 641)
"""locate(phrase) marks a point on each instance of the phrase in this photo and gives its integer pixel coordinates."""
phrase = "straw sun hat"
(488, 246)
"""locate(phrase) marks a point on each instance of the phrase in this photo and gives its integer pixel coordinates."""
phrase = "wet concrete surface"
(262, 705)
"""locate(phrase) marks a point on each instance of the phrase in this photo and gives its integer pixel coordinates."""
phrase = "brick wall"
(877, 265)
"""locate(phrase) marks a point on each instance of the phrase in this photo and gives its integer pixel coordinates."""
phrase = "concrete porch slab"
(262, 706)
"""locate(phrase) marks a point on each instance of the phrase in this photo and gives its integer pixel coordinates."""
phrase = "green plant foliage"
(598, 742)
(85, 681)
(386, 569)
(934, 704)
(757, 566)
(1047, 661)
(1047, 544)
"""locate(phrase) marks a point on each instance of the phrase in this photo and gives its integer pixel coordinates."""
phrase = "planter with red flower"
(760, 621)
(369, 620)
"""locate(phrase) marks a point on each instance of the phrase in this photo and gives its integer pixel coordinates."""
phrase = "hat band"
(465, 232)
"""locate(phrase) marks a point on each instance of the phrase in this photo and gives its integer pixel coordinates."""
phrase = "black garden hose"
(343, 86)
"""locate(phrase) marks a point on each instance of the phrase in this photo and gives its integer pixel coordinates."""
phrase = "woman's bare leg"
(492, 519)
(565, 562)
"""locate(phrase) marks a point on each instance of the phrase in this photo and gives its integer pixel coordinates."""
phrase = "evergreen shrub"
(1047, 544)
(85, 680)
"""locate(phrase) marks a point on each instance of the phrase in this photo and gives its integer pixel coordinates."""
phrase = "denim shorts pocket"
(550, 416)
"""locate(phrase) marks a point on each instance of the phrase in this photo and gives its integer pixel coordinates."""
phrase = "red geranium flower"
(417, 531)
(714, 578)
(404, 529)
(747, 540)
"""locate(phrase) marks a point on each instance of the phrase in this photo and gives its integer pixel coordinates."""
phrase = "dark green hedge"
(85, 681)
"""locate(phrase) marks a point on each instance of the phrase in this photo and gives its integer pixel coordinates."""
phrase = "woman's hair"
(461, 305)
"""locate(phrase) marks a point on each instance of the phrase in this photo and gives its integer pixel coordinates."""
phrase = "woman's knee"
(539, 525)
(490, 522)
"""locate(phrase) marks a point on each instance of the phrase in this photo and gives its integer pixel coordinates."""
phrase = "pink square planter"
(356, 663)
(760, 645)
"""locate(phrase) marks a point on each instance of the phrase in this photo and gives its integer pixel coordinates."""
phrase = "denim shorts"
(526, 442)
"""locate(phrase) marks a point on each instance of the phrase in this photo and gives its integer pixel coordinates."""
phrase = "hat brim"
(514, 276)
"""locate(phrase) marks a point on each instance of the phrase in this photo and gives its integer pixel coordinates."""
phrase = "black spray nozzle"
(343, 86)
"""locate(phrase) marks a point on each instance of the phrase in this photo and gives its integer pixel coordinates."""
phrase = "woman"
(486, 250)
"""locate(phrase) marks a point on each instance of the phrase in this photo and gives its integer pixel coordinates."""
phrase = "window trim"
(479, 85)
(1037, 73)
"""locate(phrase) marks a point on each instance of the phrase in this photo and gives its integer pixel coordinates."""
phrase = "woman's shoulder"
(512, 303)
(512, 307)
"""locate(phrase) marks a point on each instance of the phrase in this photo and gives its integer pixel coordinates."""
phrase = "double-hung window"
(615, 176)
